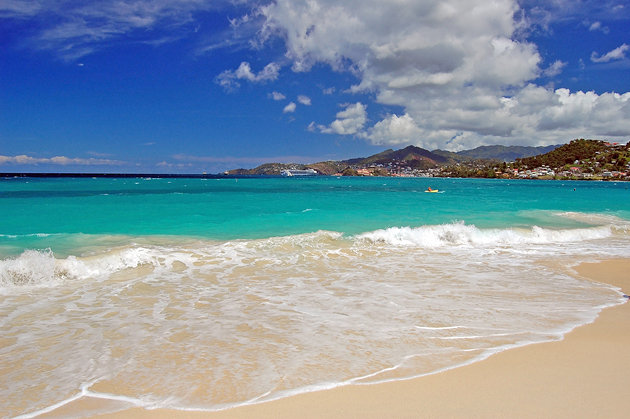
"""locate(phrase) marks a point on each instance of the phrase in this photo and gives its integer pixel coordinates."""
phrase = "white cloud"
(395, 130)
(350, 121)
(408, 42)
(74, 29)
(554, 69)
(277, 96)
(290, 108)
(543, 14)
(229, 79)
(597, 26)
(20, 8)
(169, 165)
(457, 68)
(230, 160)
(588, 112)
(59, 160)
(304, 100)
(618, 53)
(270, 72)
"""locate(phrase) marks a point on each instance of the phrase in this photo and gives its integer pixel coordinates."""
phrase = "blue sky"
(186, 86)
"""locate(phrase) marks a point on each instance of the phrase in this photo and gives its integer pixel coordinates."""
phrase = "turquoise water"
(224, 209)
(205, 294)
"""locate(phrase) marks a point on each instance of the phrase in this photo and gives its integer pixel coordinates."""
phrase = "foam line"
(440, 328)
(460, 234)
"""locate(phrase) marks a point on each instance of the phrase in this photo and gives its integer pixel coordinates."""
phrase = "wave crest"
(460, 234)
(32, 267)
(41, 268)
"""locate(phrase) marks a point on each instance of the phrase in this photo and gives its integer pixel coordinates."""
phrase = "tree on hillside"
(567, 154)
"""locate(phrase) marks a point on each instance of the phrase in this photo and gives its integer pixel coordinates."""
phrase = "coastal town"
(580, 159)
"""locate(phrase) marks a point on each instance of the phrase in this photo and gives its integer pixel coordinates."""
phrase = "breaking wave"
(460, 234)
(43, 268)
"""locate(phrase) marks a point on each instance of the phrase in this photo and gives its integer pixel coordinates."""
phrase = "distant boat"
(298, 172)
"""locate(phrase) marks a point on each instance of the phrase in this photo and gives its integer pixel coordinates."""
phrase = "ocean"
(206, 294)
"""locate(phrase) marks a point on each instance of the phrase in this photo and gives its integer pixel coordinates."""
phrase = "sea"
(207, 294)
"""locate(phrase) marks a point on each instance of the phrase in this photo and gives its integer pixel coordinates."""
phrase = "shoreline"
(55, 175)
(582, 375)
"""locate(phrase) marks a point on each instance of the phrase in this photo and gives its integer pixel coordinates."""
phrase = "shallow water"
(100, 306)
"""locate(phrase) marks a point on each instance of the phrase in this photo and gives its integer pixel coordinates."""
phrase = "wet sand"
(583, 376)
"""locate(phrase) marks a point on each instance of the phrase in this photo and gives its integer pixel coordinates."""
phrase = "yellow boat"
(432, 190)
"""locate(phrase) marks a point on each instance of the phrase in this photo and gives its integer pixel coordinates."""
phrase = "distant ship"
(298, 172)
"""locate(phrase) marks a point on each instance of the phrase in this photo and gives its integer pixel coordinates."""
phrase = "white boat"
(298, 172)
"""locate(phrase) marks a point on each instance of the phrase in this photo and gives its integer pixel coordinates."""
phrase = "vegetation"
(576, 150)
(580, 159)
(505, 153)
(349, 171)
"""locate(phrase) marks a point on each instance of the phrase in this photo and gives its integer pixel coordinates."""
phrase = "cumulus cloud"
(290, 108)
(585, 112)
(229, 78)
(458, 69)
(350, 121)
(618, 53)
(277, 96)
(59, 160)
(395, 130)
(304, 100)
(406, 43)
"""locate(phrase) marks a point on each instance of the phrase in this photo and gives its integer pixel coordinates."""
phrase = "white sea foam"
(31, 268)
(41, 268)
(176, 323)
(13, 236)
(460, 234)
(594, 218)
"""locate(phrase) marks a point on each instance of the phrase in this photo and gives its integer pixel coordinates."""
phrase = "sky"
(191, 86)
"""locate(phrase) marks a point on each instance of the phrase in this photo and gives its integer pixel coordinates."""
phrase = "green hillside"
(576, 150)
(505, 153)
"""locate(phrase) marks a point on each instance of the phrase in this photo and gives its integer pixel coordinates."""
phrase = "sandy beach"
(582, 376)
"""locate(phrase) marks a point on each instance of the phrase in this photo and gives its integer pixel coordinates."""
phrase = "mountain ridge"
(413, 157)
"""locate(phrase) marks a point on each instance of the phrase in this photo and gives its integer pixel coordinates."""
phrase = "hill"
(505, 153)
(411, 156)
(576, 150)
(275, 169)
(414, 157)
(582, 157)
